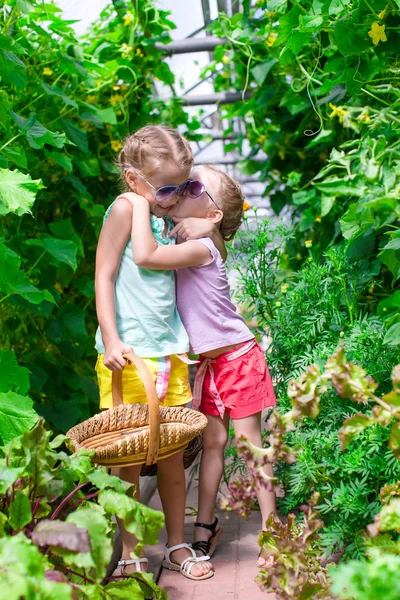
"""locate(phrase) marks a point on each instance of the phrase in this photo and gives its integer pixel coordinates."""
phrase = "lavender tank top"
(205, 306)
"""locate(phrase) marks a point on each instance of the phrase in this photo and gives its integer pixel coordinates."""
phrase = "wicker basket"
(133, 434)
(189, 455)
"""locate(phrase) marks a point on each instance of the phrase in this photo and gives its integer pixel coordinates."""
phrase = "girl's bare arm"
(149, 255)
(112, 241)
(193, 228)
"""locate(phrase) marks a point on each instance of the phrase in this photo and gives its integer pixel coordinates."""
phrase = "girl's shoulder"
(121, 208)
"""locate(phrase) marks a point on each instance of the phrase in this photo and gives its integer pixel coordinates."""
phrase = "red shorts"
(244, 384)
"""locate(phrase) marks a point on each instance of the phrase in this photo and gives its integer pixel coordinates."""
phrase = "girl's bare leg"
(129, 541)
(172, 489)
(215, 437)
(250, 428)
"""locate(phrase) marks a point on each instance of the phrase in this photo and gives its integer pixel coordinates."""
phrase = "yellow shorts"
(133, 392)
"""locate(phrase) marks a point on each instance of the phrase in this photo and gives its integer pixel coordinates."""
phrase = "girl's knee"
(215, 441)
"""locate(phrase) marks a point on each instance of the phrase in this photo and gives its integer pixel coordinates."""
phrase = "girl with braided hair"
(137, 312)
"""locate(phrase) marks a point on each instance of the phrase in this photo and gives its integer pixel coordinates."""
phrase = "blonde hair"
(230, 198)
(151, 146)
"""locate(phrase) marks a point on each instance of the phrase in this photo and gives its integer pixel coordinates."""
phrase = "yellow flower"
(116, 87)
(116, 145)
(91, 99)
(125, 48)
(271, 39)
(139, 52)
(47, 71)
(128, 18)
(308, 243)
(123, 55)
(364, 118)
(246, 206)
(377, 33)
(115, 99)
(318, 220)
(225, 60)
(270, 14)
(337, 111)
(382, 14)
(261, 139)
(284, 288)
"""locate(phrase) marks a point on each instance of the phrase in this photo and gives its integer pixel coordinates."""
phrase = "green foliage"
(296, 547)
(66, 104)
(309, 311)
(56, 527)
(324, 113)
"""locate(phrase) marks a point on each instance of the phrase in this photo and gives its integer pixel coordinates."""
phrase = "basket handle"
(152, 399)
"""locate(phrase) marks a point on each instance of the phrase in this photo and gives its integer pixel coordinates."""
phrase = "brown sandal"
(208, 548)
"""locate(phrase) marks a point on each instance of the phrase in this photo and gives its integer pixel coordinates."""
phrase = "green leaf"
(64, 230)
(15, 154)
(327, 203)
(393, 244)
(102, 480)
(138, 519)
(63, 250)
(68, 330)
(391, 258)
(337, 186)
(355, 223)
(310, 22)
(17, 192)
(93, 520)
(14, 281)
(392, 303)
(296, 42)
(324, 136)
(12, 376)
(8, 476)
(348, 41)
(5, 106)
(392, 337)
(16, 415)
(37, 134)
(249, 167)
(76, 135)
(22, 573)
(60, 159)
(352, 427)
(89, 167)
(20, 513)
(53, 90)
(12, 69)
(303, 197)
(261, 71)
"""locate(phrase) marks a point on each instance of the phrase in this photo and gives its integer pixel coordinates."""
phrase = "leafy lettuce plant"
(56, 527)
(298, 570)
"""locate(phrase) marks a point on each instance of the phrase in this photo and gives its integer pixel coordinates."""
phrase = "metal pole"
(192, 45)
(217, 98)
(225, 161)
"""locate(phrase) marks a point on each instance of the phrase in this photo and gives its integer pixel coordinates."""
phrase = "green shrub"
(56, 523)
(66, 103)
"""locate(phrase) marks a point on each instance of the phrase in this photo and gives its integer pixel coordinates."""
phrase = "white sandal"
(123, 563)
(186, 566)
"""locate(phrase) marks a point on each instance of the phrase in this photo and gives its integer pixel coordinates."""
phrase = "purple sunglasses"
(193, 188)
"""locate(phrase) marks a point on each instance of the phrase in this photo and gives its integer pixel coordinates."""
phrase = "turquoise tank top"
(145, 303)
